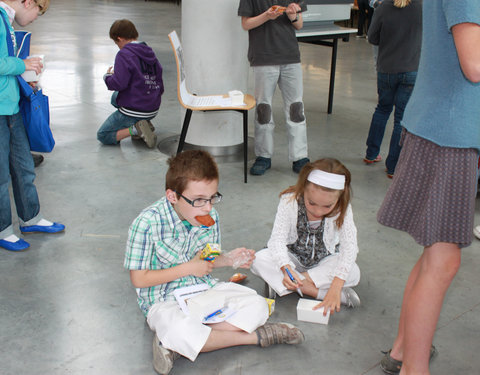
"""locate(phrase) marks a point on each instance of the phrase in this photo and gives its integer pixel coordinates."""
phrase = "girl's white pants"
(266, 267)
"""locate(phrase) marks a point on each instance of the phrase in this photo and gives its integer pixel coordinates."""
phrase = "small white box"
(30, 75)
(306, 314)
(236, 96)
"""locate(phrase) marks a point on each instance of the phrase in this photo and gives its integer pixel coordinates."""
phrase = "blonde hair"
(331, 166)
(401, 3)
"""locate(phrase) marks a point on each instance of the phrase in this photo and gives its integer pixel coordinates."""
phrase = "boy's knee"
(264, 113)
(296, 112)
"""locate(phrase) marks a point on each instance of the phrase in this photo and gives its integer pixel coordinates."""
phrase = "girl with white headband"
(314, 239)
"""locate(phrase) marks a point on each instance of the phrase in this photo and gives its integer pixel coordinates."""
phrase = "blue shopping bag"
(33, 104)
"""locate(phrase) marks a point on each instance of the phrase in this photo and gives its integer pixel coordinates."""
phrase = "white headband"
(326, 179)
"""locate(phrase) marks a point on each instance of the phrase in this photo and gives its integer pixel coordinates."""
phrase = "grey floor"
(67, 306)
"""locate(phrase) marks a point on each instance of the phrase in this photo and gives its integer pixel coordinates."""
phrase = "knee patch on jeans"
(264, 113)
(296, 112)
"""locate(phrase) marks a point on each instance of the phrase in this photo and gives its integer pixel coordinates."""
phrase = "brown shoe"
(279, 333)
(163, 358)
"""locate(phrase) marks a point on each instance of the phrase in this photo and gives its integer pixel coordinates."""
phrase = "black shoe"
(37, 159)
(299, 164)
(260, 166)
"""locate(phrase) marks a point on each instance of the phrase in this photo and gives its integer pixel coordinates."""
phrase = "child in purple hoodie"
(138, 85)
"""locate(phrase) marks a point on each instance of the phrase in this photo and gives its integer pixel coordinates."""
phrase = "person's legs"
(362, 8)
(291, 86)
(224, 335)
(266, 79)
(397, 348)
(22, 172)
(423, 299)
(5, 208)
(386, 97)
(115, 128)
(402, 95)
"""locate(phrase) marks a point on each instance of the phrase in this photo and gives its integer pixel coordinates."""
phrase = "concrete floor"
(67, 305)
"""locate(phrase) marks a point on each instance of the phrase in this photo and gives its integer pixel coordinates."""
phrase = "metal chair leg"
(183, 134)
(245, 144)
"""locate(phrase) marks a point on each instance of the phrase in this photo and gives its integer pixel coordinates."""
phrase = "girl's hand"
(289, 284)
(34, 63)
(110, 70)
(330, 302)
(332, 299)
(199, 267)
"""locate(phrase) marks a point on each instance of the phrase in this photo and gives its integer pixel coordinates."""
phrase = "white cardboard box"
(306, 314)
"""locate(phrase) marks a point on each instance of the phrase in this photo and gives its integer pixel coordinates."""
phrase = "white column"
(215, 50)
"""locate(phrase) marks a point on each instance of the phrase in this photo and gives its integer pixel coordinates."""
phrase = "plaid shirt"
(158, 239)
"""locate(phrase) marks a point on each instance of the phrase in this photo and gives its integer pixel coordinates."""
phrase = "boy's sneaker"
(152, 128)
(350, 297)
(299, 164)
(163, 358)
(145, 132)
(260, 166)
(279, 333)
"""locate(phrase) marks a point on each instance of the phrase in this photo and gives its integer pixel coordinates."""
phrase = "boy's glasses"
(200, 202)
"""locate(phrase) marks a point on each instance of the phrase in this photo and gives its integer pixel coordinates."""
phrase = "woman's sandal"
(391, 366)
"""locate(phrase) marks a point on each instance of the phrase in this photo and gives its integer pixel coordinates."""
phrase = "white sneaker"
(163, 358)
(476, 231)
(350, 297)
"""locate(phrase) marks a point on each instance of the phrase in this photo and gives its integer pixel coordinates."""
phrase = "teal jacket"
(10, 67)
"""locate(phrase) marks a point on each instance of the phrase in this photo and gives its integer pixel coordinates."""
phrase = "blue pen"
(213, 314)
(295, 281)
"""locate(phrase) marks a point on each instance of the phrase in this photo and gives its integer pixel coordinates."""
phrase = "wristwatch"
(295, 20)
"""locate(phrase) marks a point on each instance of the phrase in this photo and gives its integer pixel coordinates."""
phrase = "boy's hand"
(242, 257)
(199, 267)
(33, 63)
(110, 70)
(332, 299)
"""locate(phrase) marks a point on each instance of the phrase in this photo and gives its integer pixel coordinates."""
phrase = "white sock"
(133, 130)
(44, 223)
(12, 238)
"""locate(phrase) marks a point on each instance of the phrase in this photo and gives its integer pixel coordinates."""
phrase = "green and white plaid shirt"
(159, 239)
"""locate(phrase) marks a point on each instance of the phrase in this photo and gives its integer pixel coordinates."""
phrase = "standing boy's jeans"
(289, 80)
(107, 134)
(16, 162)
(393, 89)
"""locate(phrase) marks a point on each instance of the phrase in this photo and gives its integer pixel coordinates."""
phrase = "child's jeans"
(16, 164)
(107, 134)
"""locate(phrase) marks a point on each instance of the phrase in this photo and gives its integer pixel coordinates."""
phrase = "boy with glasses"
(163, 254)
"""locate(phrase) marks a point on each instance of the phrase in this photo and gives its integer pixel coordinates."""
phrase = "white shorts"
(322, 275)
(187, 335)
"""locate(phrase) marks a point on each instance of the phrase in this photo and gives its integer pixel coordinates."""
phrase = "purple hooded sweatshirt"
(138, 79)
